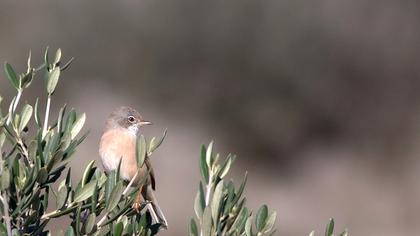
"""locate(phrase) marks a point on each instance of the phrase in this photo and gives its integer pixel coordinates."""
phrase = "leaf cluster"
(33, 157)
(221, 208)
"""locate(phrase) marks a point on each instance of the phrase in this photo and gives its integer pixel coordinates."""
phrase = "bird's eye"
(131, 119)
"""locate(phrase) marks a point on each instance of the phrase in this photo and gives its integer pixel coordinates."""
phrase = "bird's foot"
(138, 206)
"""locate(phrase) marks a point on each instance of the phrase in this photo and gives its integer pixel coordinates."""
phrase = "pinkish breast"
(116, 144)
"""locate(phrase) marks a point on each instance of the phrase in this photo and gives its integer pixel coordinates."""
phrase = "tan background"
(319, 99)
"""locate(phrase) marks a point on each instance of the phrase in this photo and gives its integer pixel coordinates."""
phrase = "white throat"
(133, 129)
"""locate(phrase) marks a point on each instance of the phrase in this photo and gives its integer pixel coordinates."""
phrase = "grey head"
(126, 117)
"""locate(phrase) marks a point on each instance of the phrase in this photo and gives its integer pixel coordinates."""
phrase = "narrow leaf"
(204, 169)
(25, 116)
(90, 223)
(270, 222)
(115, 197)
(209, 154)
(57, 57)
(87, 172)
(207, 222)
(118, 229)
(216, 202)
(344, 233)
(193, 231)
(329, 230)
(225, 168)
(37, 118)
(140, 151)
(85, 192)
(261, 218)
(11, 75)
(69, 231)
(78, 125)
(52, 80)
(154, 145)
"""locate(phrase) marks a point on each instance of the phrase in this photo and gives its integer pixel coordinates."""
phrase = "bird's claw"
(137, 206)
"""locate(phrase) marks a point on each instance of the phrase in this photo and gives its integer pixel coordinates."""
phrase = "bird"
(118, 143)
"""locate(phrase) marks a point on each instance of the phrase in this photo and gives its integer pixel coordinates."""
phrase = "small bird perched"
(118, 142)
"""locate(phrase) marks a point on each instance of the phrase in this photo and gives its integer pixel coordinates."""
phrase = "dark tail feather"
(155, 211)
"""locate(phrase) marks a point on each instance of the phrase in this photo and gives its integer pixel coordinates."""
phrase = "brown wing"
(151, 173)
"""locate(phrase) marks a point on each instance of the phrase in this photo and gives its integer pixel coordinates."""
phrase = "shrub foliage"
(36, 185)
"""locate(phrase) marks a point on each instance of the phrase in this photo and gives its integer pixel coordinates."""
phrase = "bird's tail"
(155, 211)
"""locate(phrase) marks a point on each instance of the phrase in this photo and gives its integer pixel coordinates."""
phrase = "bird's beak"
(145, 122)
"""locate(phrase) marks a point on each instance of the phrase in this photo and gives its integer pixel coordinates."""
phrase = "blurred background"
(319, 99)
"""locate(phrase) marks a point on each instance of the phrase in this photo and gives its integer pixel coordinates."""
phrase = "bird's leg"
(137, 201)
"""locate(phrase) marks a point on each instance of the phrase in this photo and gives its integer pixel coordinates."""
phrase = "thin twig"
(129, 184)
(17, 100)
(23, 147)
(47, 113)
(49, 214)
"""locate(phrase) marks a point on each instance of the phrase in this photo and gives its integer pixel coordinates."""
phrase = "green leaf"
(193, 231)
(226, 166)
(95, 197)
(140, 151)
(240, 221)
(16, 120)
(154, 145)
(3, 229)
(67, 64)
(261, 218)
(52, 80)
(198, 205)
(69, 231)
(248, 227)
(241, 189)
(207, 222)
(62, 195)
(57, 57)
(37, 118)
(209, 154)
(87, 173)
(204, 169)
(27, 78)
(118, 229)
(2, 139)
(115, 197)
(60, 118)
(5, 178)
(329, 230)
(71, 117)
(42, 175)
(90, 223)
(344, 233)
(11, 75)
(110, 183)
(46, 61)
(25, 115)
(78, 125)
(270, 222)
(216, 202)
(85, 192)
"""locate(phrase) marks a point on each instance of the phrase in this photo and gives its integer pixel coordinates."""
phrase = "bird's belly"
(119, 145)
